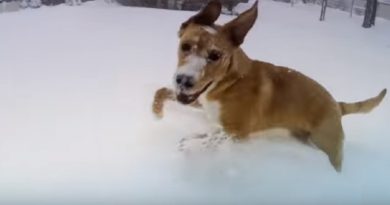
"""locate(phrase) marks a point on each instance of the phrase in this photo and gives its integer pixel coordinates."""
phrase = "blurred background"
(369, 8)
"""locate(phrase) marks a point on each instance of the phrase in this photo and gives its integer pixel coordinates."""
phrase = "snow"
(76, 85)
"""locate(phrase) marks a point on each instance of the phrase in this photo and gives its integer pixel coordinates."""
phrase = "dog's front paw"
(192, 143)
(160, 97)
(202, 142)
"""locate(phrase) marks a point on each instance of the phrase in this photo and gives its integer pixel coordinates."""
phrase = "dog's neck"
(239, 67)
(240, 63)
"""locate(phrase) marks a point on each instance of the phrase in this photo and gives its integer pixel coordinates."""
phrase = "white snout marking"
(193, 66)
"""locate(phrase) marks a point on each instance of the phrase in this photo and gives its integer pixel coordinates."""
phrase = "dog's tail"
(364, 106)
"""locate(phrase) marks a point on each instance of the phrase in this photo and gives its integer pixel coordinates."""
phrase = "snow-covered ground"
(76, 85)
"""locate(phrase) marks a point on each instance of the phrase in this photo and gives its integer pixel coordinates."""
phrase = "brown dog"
(243, 97)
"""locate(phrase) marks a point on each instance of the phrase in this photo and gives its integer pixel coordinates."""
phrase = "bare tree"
(373, 14)
(370, 13)
(324, 4)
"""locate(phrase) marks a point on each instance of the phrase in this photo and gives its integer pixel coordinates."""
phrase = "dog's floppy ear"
(237, 29)
(207, 16)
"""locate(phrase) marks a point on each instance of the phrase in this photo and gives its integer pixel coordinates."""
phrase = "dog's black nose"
(185, 81)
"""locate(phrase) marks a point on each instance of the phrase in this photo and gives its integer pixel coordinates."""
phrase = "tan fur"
(362, 106)
(256, 96)
(161, 96)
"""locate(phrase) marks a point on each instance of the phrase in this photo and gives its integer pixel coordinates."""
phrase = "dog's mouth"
(189, 98)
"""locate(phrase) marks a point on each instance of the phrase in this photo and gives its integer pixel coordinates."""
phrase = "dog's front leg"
(161, 96)
(204, 142)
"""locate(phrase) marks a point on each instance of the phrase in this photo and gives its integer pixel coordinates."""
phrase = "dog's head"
(205, 51)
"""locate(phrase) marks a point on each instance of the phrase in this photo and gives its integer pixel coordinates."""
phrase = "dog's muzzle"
(185, 98)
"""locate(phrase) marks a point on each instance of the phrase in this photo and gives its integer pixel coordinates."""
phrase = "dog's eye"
(185, 47)
(214, 56)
